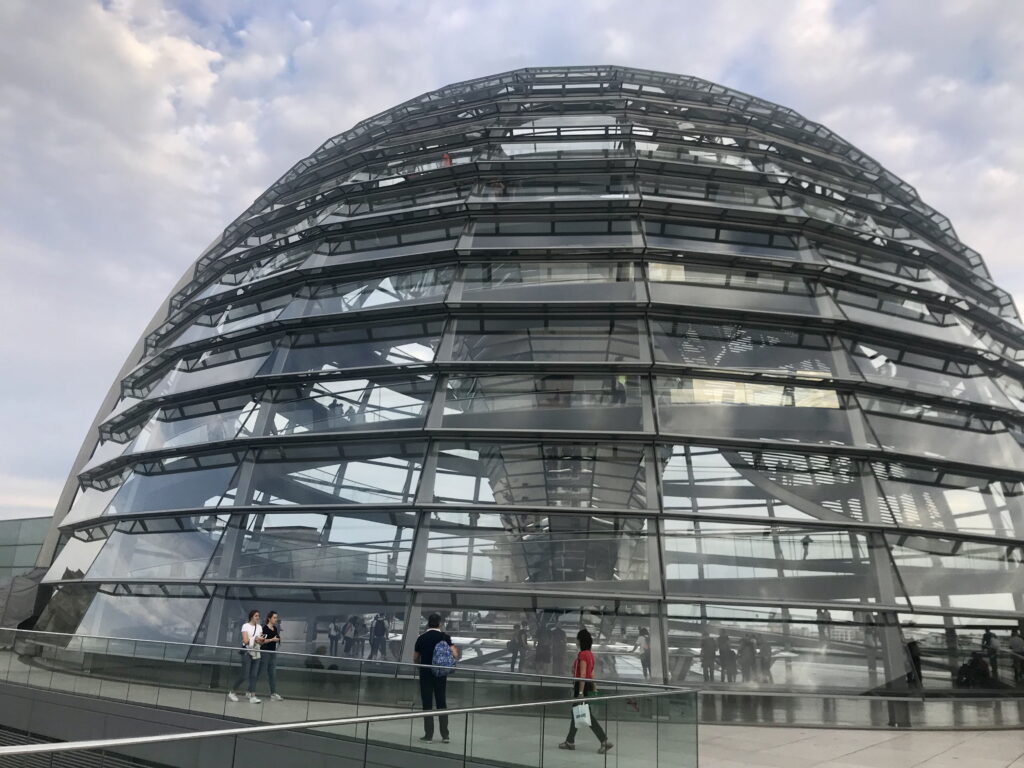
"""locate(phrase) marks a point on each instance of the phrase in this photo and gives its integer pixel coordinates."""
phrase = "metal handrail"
(334, 659)
(68, 746)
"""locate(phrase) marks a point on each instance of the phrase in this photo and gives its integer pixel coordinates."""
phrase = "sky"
(132, 132)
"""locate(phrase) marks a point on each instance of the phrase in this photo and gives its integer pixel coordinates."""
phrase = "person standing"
(432, 687)
(748, 658)
(806, 542)
(724, 652)
(643, 644)
(707, 656)
(558, 648)
(583, 686)
(379, 637)
(764, 655)
(990, 644)
(1016, 645)
(252, 641)
(268, 653)
(333, 635)
(517, 646)
(348, 636)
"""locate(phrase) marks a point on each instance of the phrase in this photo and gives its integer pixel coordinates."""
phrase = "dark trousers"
(517, 655)
(334, 645)
(378, 647)
(432, 691)
(249, 672)
(594, 726)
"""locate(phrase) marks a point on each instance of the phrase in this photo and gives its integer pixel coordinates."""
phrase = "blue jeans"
(249, 671)
(268, 661)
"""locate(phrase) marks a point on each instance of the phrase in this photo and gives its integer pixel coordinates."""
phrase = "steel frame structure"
(573, 345)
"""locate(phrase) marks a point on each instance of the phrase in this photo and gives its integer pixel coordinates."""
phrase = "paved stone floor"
(746, 747)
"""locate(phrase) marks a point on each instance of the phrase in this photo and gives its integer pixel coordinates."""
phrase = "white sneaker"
(254, 700)
(276, 697)
(232, 696)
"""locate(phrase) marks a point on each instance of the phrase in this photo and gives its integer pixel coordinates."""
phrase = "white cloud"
(132, 132)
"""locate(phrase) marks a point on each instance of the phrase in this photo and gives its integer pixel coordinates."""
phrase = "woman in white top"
(252, 639)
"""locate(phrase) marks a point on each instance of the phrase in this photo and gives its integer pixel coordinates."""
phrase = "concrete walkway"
(745, 747)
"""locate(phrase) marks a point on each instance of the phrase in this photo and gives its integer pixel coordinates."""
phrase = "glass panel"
(370, 292)
(743, 347)
(526, 633)
(727, 560)
(551, 339)
(337, 405)
(555, 401)
(158, 549)
(305, 616)
(548, 475)
(938, 499)
(540, 551)
(212, 368)
(186, 489)
(548, 188)
(751, 410)
(195, 424)
(360, 346)
(234, 317)
(697, 285)
(941, 433)
(551, 234)
(65, 608)
(980, 575)
(763, 483)
(341, 549)
(904, 313)
(782, 648)
(919, 372)
(106, 450)
(169, 614)
(349, 473)
(73, 560)
(553, 281)
(89, 503)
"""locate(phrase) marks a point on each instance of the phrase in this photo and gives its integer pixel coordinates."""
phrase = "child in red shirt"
(583, 685)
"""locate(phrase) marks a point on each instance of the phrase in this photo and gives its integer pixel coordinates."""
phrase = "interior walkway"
(735, 746)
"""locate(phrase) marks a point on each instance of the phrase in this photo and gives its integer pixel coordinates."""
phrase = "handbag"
(581, 715)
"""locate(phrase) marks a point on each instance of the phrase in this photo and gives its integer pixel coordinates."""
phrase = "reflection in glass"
(762, 483)
(166, 548)
(769, 562)
(306, 613)
(918, 371)
(360, 346)
(938, 432)
(743, 347)
(538, 550)
(583, 475)
(938, 499)
(552, 281)
(328, 405)
(372, 292)
(783, 647)
(551, 339)
(193, 424)
(145, 612)
(349, 473)
(751, 410)
(74, 559)
(213, 367)
(152, 490)
(484, 626)
(553, 401)
(318, 548)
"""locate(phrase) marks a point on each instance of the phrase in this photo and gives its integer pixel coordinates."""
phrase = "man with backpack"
(434, 647)
(379, 638)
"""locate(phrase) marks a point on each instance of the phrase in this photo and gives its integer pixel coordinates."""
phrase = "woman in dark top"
(268, 652)
(583, 685)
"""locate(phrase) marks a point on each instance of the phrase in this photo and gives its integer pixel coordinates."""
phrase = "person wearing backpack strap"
(433, 686)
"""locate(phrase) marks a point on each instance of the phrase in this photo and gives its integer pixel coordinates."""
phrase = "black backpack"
(380, 629)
